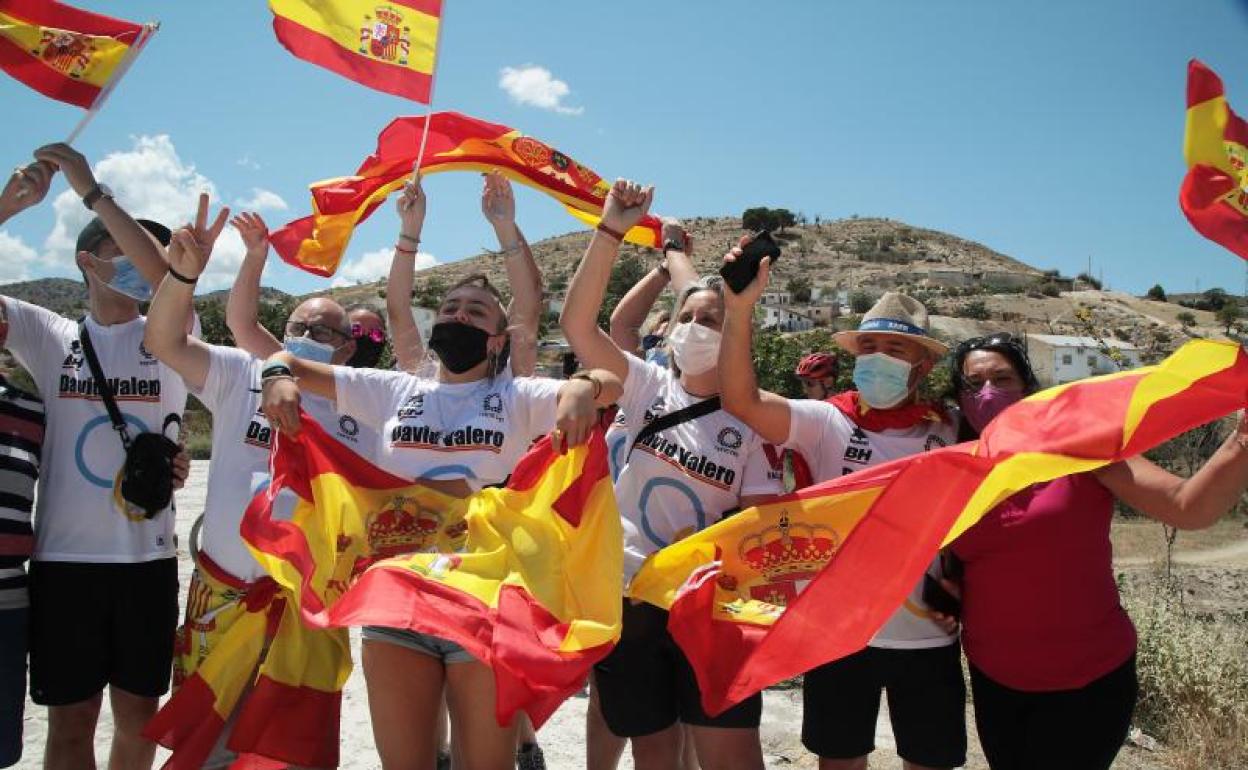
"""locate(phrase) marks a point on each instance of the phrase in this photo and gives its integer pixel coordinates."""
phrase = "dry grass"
(1193, 676)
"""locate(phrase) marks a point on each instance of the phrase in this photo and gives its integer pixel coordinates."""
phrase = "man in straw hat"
(912, 658)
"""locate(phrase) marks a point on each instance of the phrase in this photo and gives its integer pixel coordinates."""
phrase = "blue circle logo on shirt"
(644, 505)
(136, 426)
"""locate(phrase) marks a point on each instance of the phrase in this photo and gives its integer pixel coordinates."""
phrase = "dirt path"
(1234, 555)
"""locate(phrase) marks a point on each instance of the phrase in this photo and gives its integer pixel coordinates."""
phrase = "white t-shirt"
(476, 431)
(241, 438)
(683, 479)
(616, 438)
(76, 517)
(834, 446)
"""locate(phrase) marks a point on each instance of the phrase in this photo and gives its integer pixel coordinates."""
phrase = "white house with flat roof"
(1059, 358)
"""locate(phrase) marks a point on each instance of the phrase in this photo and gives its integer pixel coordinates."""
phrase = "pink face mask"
(980, 406)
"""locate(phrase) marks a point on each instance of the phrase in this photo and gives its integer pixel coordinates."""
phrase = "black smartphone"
(738, 273)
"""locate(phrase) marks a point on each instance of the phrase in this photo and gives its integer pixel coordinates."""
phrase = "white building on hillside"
(786, 319)
(1059, 359)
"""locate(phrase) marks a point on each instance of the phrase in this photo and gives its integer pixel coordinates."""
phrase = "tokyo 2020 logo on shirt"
(98, 447)
(646, 501)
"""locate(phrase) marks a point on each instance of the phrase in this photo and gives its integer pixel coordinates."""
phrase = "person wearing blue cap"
(103, 578)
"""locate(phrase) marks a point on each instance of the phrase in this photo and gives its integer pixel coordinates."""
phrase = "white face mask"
(694, 347)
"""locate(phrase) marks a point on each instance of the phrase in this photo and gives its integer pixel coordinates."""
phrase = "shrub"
(1186, 318)
(1156, 293)
(1050, 289)
(859, 302)
(975, 309)
(1193, 679)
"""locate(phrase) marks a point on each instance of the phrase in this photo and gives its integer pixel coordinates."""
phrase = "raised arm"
(26, 187)
(579, 400)
(767, 413)
(136, 243)
(404, 336)
(242, 309)
(626, 204)
(165, 334)
(498, 204)
(678, 254)
(280, 400)
(634, 306)
(1192, 503)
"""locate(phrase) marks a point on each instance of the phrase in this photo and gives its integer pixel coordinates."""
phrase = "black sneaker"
(530, 757)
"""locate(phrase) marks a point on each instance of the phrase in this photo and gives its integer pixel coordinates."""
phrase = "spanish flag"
(456, 143)
(526, 577)
(63, 52)
(390, 46)
(777, 590)
(1215, 146)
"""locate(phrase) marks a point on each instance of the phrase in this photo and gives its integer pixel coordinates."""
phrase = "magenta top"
(1040, 606)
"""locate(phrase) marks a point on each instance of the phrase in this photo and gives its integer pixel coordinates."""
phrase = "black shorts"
(926, 705)
(1020, 730)
(646, 684)
(93, 625)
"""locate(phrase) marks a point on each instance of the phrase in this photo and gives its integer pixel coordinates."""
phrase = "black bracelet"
(275, 369)
(178, 276)
(591, 379)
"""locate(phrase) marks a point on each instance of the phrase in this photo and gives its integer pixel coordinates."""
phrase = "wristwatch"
(673, 244)
(94, 194)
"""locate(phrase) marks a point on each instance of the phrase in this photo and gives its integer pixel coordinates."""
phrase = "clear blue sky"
(1049, 131)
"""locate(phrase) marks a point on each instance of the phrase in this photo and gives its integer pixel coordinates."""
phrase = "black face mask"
(460, 346)
(367, 354)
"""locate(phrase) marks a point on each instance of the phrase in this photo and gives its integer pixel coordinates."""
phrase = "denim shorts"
(446, 651)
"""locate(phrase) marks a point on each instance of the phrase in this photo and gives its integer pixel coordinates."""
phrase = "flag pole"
(149, 29)
(433, 85)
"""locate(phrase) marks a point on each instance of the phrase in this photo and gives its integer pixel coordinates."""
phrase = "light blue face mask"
(309, 349)
(657, 355)
(882, 381)
(127, 280)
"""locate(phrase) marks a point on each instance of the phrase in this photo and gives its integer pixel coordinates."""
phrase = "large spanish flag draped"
(1215, 147)
(859, 543)
(456, 143)
(390, 46)
(286, 701)
(63, 52)
(526, 577)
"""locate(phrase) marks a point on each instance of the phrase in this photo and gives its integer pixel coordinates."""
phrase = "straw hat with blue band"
(898, 315)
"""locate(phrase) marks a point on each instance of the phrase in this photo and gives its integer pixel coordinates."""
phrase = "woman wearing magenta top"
(1051, 650)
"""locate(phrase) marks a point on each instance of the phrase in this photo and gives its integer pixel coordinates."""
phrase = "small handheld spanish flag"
(389, 46)
(1215, 146)
(66, 53)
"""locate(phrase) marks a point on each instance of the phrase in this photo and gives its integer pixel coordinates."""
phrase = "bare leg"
(658, 751)
(71, 735)
(857, 763)
(131, 751)
(728, 748)
(480, 741)
(688, 750)
(603, 748)
(404, 690)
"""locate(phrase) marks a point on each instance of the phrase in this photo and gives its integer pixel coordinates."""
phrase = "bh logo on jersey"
(414, 406)
(656, 409)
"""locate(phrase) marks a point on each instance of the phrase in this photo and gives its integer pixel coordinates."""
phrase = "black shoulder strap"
(672, 419)
(101, 384)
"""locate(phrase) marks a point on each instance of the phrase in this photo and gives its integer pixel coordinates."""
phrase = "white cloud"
(374, 266)
(260, 200)
(16, 258)
(152, 182)
(248, 163)
(535, 86)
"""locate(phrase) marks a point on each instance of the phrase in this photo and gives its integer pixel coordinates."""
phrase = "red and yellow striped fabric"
(526, 577)
(779, 589)
(1215, 146)
(456, 143)
(62, 52)
(390, 46)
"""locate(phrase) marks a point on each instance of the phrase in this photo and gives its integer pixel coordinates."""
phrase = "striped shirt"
(21, 436)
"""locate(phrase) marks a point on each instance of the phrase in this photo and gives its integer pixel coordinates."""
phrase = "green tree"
(975, 309)
(859, 301)
(799, 286)
(783, 218)
(429, 293)
(1186, 318)
(1156, 293)
(1228, 314)
(626, 272)
(1214, 299)
(757, 218)
(212, 323)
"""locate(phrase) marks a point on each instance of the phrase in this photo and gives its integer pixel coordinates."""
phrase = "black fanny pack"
(147, 476)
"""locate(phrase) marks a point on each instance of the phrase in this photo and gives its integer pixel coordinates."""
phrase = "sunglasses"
(1000, 339)
(318, 332)
(376, 334)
